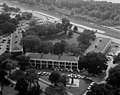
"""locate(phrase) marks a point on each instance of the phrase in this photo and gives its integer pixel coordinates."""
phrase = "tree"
(114, 76)
(30, 43)
(4, 17)
(64, 45)
(59, 27)
(23, 62)
(82, 47)
(60, 47)
(73, 48)
(21, 86)
(93, 62)
(116, 59)
(18, 17)
(14, 21)
(3, 69)
(86, 37)
(63, 79)
(32, 22)
(30, 32)
(65, 23)
(7, 26)
(17, 75)
(9, 64)
(75, 28)
(44, 30)
(51, 8)
(54, 77)
(70, 33)
(32, 76)
(45, 47)
(29, 15)
(103, 89)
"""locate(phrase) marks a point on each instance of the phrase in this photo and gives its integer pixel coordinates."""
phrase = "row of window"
(51, 63)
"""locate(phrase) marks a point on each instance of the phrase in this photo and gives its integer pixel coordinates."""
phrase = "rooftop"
(52, 57)
(15, 42)
(99, 45)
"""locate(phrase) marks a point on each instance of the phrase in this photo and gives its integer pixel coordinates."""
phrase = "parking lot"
(80, 85)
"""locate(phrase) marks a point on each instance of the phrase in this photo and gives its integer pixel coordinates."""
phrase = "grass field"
(70, 40)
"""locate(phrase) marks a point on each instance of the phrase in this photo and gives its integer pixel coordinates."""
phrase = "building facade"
(53, 61)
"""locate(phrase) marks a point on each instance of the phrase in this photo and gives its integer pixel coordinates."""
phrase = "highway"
(102, 31)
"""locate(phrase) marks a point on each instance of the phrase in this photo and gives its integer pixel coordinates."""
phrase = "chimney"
(95, 46)
(100, 40)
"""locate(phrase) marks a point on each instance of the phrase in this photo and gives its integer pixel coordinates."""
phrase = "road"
(107, 31)
(110, 65)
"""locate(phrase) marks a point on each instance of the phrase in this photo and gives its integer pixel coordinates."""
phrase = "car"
(46, 74)
(83, 77)
(49, 73)
(109, 58)
(63, 74)
(92, 83)
(74, 75)
(43, 73)
(89, 87)
(39, 73)
(70, 75)
(110, 54)
(79, 76)
(88, 78)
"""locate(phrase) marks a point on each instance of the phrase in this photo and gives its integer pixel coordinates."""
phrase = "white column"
(52, 64)
(46, 64)
(41, 64)
(59, 64)
(71, 66)
(65, 65)
(77, 67)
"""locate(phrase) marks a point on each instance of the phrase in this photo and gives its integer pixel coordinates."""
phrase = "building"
(100, 45)
(53, 61)
(15, 47)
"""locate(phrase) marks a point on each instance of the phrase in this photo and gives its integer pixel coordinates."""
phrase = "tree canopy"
(54, 77)
(93, 62)
(103, 89)
(106, 13)
(114, 76)
(85, 39)
(7, 24)
(30, 43)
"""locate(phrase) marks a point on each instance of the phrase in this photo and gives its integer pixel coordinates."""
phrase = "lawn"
(58, 38)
